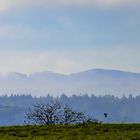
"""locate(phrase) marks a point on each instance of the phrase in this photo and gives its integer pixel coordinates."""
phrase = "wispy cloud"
(7, 4)
(34, 62)
(69, 61)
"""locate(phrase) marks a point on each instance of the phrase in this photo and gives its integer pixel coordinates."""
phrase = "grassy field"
(72, 132)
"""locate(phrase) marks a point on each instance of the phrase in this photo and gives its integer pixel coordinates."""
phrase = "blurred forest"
(120, 110)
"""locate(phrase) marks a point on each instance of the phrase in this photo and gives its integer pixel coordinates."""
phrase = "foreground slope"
(73, 132)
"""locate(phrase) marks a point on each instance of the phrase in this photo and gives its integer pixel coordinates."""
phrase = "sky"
(68, 36)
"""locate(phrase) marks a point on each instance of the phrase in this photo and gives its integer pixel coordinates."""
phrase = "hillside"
(95, 81)
(73, 132)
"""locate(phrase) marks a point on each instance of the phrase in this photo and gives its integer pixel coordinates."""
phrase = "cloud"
(8, 4)
(29, 62)
(72, 60)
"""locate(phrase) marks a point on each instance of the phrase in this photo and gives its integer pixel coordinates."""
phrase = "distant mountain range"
(95, 81)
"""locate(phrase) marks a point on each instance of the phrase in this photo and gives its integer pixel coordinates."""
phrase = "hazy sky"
(67, 36)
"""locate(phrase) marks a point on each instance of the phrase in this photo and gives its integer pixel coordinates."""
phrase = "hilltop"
(95, 81)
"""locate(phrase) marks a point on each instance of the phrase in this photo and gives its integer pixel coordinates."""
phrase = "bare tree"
(44, 114)
(71, 116)
(54, 113)
(91, 120)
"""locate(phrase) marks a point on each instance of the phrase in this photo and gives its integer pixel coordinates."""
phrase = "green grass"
(72, 132)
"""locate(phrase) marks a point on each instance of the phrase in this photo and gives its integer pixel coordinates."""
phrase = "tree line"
(124, 109)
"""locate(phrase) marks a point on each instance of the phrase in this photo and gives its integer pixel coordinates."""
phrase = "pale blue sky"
(69, 36)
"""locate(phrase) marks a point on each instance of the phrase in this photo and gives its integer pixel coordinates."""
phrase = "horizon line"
(49, 71)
